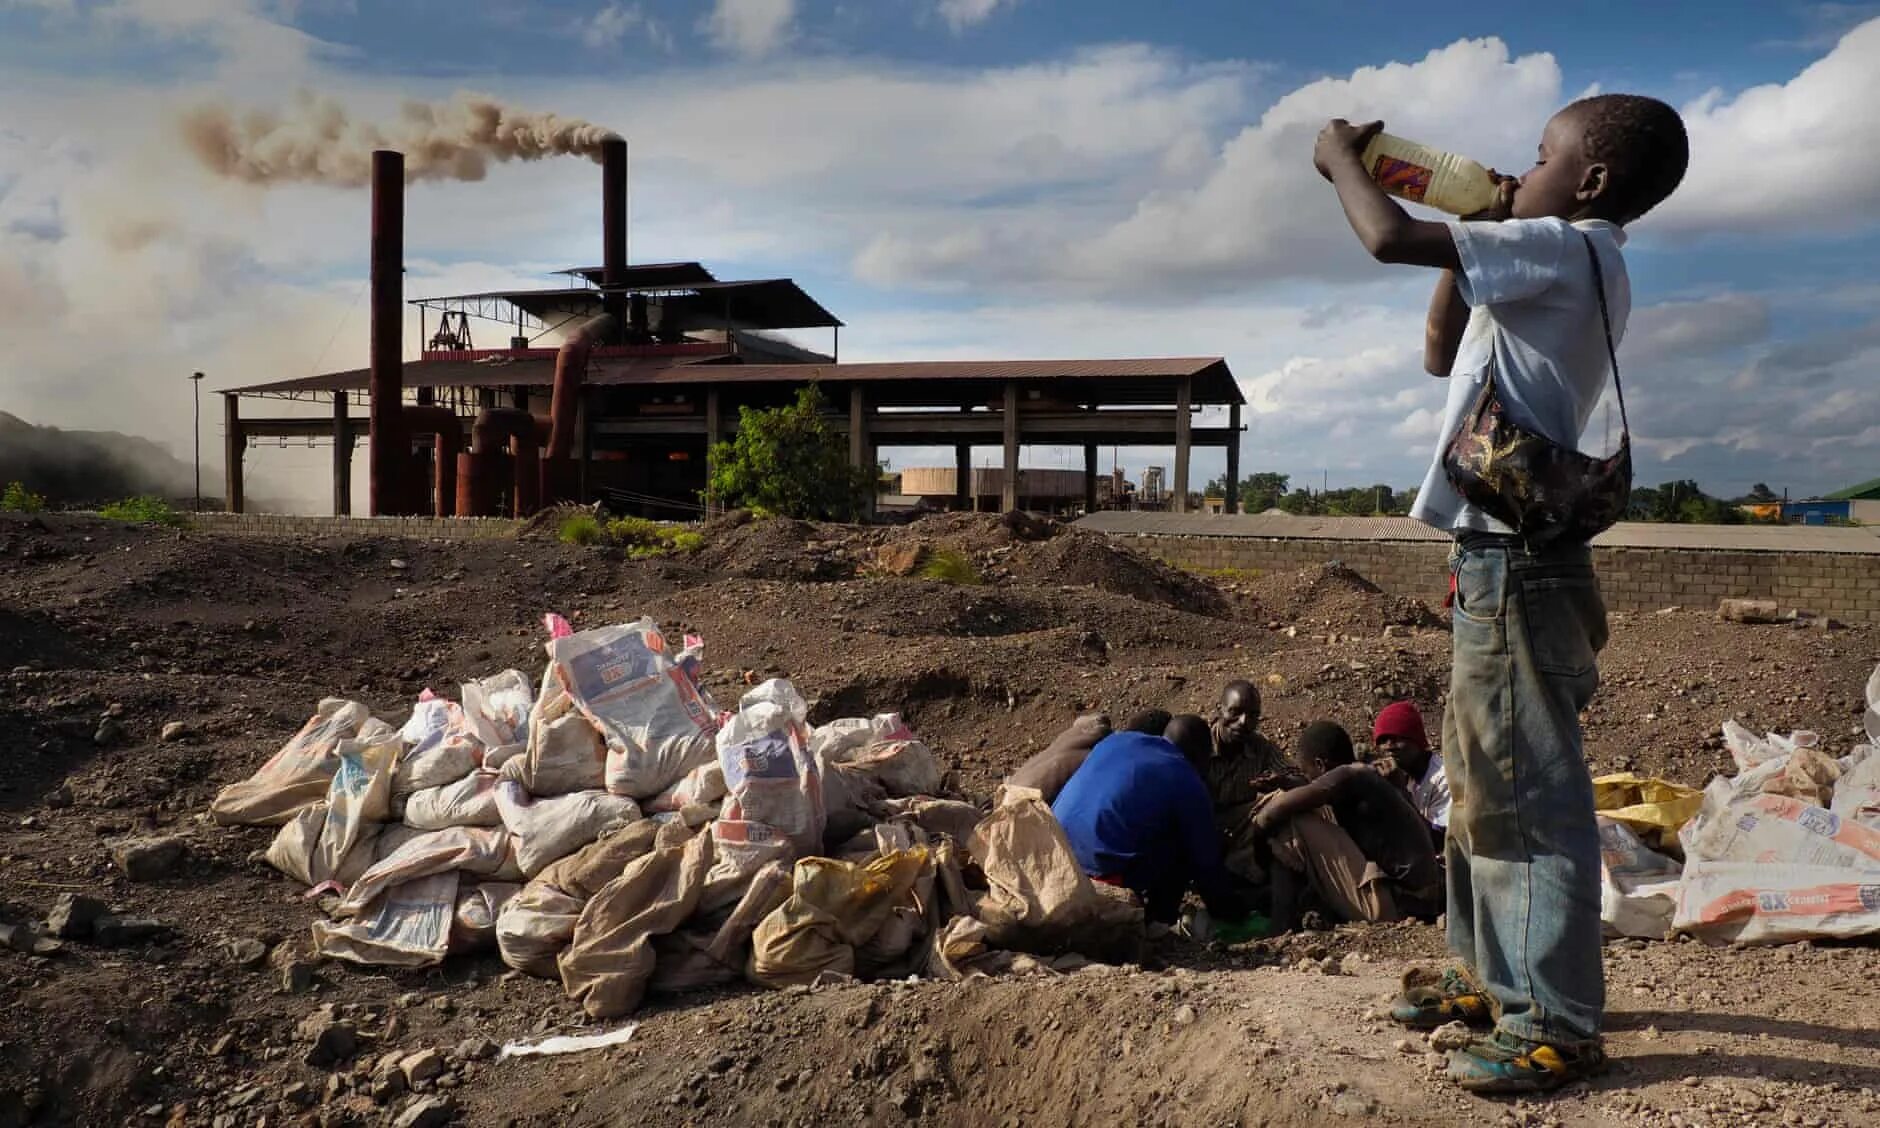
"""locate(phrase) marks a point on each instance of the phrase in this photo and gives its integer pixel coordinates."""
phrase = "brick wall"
(422, 528)
(1845, 586)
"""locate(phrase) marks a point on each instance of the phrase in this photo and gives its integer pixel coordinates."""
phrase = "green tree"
(789, 462)
(1259, 492)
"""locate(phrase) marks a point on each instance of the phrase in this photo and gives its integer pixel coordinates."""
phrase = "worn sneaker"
(1429, 1000)
(1505, 1063)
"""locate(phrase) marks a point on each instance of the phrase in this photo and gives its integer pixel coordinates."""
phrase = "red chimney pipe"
(476, 483)
(390, 448)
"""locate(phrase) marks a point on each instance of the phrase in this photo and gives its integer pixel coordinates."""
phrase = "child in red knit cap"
(1405, 756)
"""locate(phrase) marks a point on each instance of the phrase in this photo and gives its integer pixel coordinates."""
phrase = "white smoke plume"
(320, 143)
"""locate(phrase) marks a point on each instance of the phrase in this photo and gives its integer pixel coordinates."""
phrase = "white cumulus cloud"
(962, 14)
(751, 28)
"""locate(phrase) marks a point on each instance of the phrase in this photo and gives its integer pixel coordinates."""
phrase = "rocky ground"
(140, 670)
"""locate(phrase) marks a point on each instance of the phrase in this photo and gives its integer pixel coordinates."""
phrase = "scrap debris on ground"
(594, 824)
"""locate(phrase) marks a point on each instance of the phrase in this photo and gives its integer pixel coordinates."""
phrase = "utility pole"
(196, 379)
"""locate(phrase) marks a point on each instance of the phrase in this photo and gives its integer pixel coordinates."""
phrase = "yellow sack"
(1654, 808)
(834, 908)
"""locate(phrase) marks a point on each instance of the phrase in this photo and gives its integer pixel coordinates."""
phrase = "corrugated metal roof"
(1213, 381)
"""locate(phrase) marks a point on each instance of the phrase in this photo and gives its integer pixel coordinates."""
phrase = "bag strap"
(1605, 321)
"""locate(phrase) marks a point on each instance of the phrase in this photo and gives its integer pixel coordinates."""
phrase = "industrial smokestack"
(390, 448)
(320, 143)
(614, 225)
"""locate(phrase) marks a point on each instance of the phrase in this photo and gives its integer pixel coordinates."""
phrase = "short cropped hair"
(1642, 143)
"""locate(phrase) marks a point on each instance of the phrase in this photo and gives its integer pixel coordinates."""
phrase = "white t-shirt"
(1533, 319)
(1430, 794)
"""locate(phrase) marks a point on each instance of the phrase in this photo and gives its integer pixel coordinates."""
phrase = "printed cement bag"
(1871, 722)
(552, 827)
(1771, 904)
(656, 721)
(770, 776)
(473, 924)
(483, 851)
(610, 960)
(331, 841)
(407, 925)
(833, 908)
(298, 774)
(1638, 885)
(471, 801)
(439, 750)
(703, 784)
(1778, 830)
(1038, 898)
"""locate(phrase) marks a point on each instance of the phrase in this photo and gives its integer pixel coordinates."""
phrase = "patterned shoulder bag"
(1545, 492)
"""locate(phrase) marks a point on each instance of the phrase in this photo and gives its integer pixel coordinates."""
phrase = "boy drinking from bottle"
(1521, 300)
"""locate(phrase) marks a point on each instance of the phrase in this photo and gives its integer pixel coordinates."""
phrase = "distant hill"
(83, 467)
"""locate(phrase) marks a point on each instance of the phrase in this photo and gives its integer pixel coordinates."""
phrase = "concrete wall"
(1845, 586)
(422, 528)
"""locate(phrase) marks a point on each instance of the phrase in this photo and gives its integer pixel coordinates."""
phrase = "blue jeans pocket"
(1566, 622)
(1481, 586)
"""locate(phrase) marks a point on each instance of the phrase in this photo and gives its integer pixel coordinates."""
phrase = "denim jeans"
(1523, 847)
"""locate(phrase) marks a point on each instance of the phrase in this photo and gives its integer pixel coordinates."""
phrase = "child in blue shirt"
(1517, 300)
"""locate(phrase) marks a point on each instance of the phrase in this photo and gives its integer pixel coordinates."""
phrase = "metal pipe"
(476, 486)
(443, 423)
(559, 474)
(390, 448)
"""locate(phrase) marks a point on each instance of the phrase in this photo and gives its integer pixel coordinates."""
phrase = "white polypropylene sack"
(655, 719)
(1857, 795)
(1638, 885)
(440, 747)
(496, 709)
(703, 784)
(332, 840)
(473, 924)
(770, 776)
(407, 925)
(564, 750)
(484, 851)
(1776, 830)
(297, 775)
(471, 801)
(1872, 719)
(551, 827)
(1750, 750)
(1756, 903)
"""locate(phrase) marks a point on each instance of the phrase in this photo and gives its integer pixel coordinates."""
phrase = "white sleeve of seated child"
(1508, 261)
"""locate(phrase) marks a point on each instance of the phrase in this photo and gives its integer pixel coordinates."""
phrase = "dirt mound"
(237, 638)
(1334, 595)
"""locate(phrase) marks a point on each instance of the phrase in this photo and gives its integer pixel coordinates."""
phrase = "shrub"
(790, 462)
(18, 499)
(581, 528)
(145, 510)
(949, 566)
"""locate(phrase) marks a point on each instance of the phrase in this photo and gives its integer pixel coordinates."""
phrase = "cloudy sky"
(959, 178)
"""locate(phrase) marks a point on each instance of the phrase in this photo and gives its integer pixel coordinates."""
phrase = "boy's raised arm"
(1388, 232)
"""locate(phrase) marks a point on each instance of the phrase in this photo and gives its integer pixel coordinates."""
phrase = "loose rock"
(116, 931)
(247, 953)
(147, 859)
(422, 1066)
(172, 732)
(73, 915)
(427, 1112)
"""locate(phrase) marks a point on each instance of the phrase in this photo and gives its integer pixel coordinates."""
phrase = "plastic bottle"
(1423, 175)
